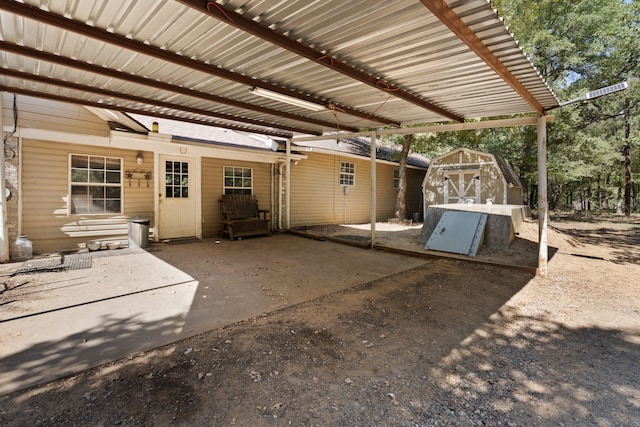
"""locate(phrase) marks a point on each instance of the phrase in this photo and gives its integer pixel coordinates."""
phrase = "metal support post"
(543, 210)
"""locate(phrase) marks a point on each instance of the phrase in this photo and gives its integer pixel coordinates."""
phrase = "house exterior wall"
(45, 197)
(43, 219)
(213, 188)
(38, 113)
(386, 193)
(38, 177)
(53, 116)
(318, 198)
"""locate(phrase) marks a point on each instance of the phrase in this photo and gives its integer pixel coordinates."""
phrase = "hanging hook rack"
(138, 174)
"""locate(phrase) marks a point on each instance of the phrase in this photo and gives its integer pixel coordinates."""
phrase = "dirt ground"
(450, 342)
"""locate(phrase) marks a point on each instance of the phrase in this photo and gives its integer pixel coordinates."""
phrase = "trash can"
(138, 232)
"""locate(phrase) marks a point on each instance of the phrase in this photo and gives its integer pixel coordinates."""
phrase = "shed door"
(177, 198)
(462, 187)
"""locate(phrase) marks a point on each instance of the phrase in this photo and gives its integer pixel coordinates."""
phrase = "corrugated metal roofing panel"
(399, 42)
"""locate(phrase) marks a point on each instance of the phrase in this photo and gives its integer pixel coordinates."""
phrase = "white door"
(461, 187)
(177, 198)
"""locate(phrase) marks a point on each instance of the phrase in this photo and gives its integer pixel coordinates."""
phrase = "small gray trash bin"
(138, 232)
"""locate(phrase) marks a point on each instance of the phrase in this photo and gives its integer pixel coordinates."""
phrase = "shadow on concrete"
(245, 278)
(48, 360)
(60, 323)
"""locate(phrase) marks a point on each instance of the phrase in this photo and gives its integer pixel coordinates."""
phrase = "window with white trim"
(95, 185)
(396, 178)
(238, 180)
(347, 173)
(176, 175)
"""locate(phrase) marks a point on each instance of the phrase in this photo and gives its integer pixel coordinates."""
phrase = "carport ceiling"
(365, 63)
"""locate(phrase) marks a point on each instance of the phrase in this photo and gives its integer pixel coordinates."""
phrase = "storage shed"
(468, 176)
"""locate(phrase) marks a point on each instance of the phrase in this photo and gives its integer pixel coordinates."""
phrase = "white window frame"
(76, 199)
(347, 175)
(396, 178)
(243, 176)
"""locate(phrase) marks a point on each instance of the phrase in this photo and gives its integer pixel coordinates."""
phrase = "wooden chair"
(242, 217)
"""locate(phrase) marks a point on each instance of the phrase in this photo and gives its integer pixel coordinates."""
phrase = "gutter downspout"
(280, 170)
(4, 229)
(543, 210)
(288, 186)
(272, 196)
(157, 196)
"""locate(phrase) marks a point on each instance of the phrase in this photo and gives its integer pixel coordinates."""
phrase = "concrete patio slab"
(55, 324)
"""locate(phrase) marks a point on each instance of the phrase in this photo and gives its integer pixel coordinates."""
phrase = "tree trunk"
(589, 195)
(627, 165)
(607, 196)
(401, 201)
(619, 202)
(533, 196)
(555, 196)
(525, 191)
(599, 195)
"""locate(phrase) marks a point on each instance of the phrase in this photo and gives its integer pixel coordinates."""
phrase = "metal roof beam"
(250, 26)
(447, 16)
(148, 101)
(132, 78)
(452, 127)
(33, 12)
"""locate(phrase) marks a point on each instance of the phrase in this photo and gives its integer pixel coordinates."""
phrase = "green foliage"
(578, 46)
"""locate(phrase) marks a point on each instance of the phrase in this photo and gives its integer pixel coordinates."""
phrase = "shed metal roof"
(366, 63)
(362, 147)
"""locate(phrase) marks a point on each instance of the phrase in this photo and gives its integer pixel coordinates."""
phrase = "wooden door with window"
(177, 199)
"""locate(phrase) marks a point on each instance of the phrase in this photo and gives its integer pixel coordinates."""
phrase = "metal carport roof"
(367, 64)
(361, 64)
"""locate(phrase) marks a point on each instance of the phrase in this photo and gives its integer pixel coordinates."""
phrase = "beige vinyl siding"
(213, 187)
(386, 194)
(211, 191)
(314, 191)
(45, 187)
(318, 198)
(51, 115)
(36, 113)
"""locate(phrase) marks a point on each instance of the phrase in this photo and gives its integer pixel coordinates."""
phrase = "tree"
(580, 46)
(401, 200)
